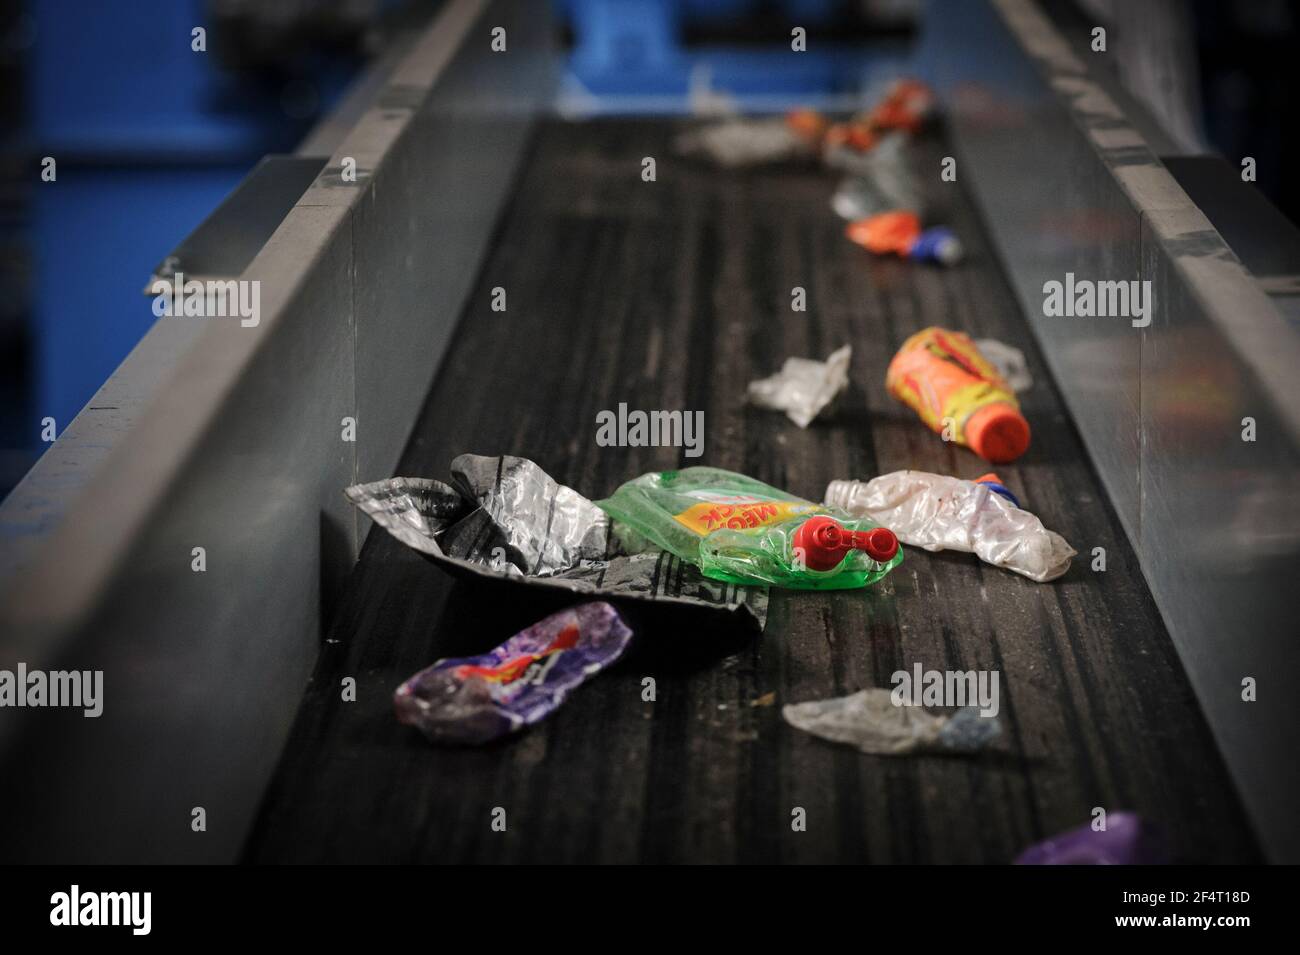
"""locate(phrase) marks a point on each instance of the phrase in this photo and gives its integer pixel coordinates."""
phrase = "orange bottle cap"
(998, 433)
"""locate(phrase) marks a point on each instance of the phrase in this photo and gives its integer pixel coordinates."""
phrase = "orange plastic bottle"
(941, 375)
(906, 106)
(886, 233)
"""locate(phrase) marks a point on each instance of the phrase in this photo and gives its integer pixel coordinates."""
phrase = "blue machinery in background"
(146, 141)
(630, 55)
(149, 135)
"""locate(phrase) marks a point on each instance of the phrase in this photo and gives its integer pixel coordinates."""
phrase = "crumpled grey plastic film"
(804, 387)
(856, 198)
(883, 177)
(737, 141)
(504, 517)
(871, 721)
(936, 512)
(1009, 361)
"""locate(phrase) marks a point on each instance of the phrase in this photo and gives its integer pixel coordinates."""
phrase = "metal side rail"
(187, 529)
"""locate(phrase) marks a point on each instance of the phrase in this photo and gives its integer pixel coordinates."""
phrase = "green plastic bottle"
(743, 531)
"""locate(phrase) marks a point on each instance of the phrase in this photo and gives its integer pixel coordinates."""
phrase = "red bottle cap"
(823, 542)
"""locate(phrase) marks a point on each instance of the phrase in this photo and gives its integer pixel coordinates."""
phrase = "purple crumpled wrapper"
(1126, 840)
(479, 699)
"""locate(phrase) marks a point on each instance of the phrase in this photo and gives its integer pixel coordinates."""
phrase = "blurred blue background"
(148, 135)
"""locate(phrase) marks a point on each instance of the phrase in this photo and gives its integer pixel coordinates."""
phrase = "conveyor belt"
(674, 294)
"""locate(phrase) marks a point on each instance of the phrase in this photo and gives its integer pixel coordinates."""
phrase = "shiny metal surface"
(226, 241)
(1067, 184)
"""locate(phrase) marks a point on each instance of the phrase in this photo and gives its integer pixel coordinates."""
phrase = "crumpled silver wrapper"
(804, 387)
(737, 142)
(506, 518)
(936, 512)
(871, 721)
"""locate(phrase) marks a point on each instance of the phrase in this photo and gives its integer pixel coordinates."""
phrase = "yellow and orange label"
(740, 513)
(941, 376)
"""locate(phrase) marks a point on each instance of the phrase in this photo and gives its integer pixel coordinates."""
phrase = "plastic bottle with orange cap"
(899, 232)
(957, 392)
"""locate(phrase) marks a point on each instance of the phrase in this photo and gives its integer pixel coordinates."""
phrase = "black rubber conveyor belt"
(673, 295)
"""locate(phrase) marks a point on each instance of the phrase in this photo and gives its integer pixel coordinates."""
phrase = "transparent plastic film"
(872, 722)
(936, 512)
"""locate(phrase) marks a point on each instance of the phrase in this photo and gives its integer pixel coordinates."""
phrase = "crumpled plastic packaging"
(505, 518)
(737, 142)
(479, 699)
(870, 720)
(882, 177)
(936, 512)
(804, 387)
(856, 198)
(1009, 361)
(1126, 840)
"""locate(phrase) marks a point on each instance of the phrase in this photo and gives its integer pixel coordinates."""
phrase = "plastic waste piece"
(743, 531)
(889, 233)
(856, 198)
(936, 512)
(479, 699)
(907, 105)
(505, 519)
(824, 542)
(1009, 361)
(808, 124)
(871, 721)
(737, 142)
(886, 170)
(853, 135)
(938, 244)
(834, 555)
(899, 233)
(804, 387)
(995, 485)
(957, 392)
(1126, 840)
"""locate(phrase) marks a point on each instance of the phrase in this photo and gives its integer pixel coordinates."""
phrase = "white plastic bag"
(804, 386)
